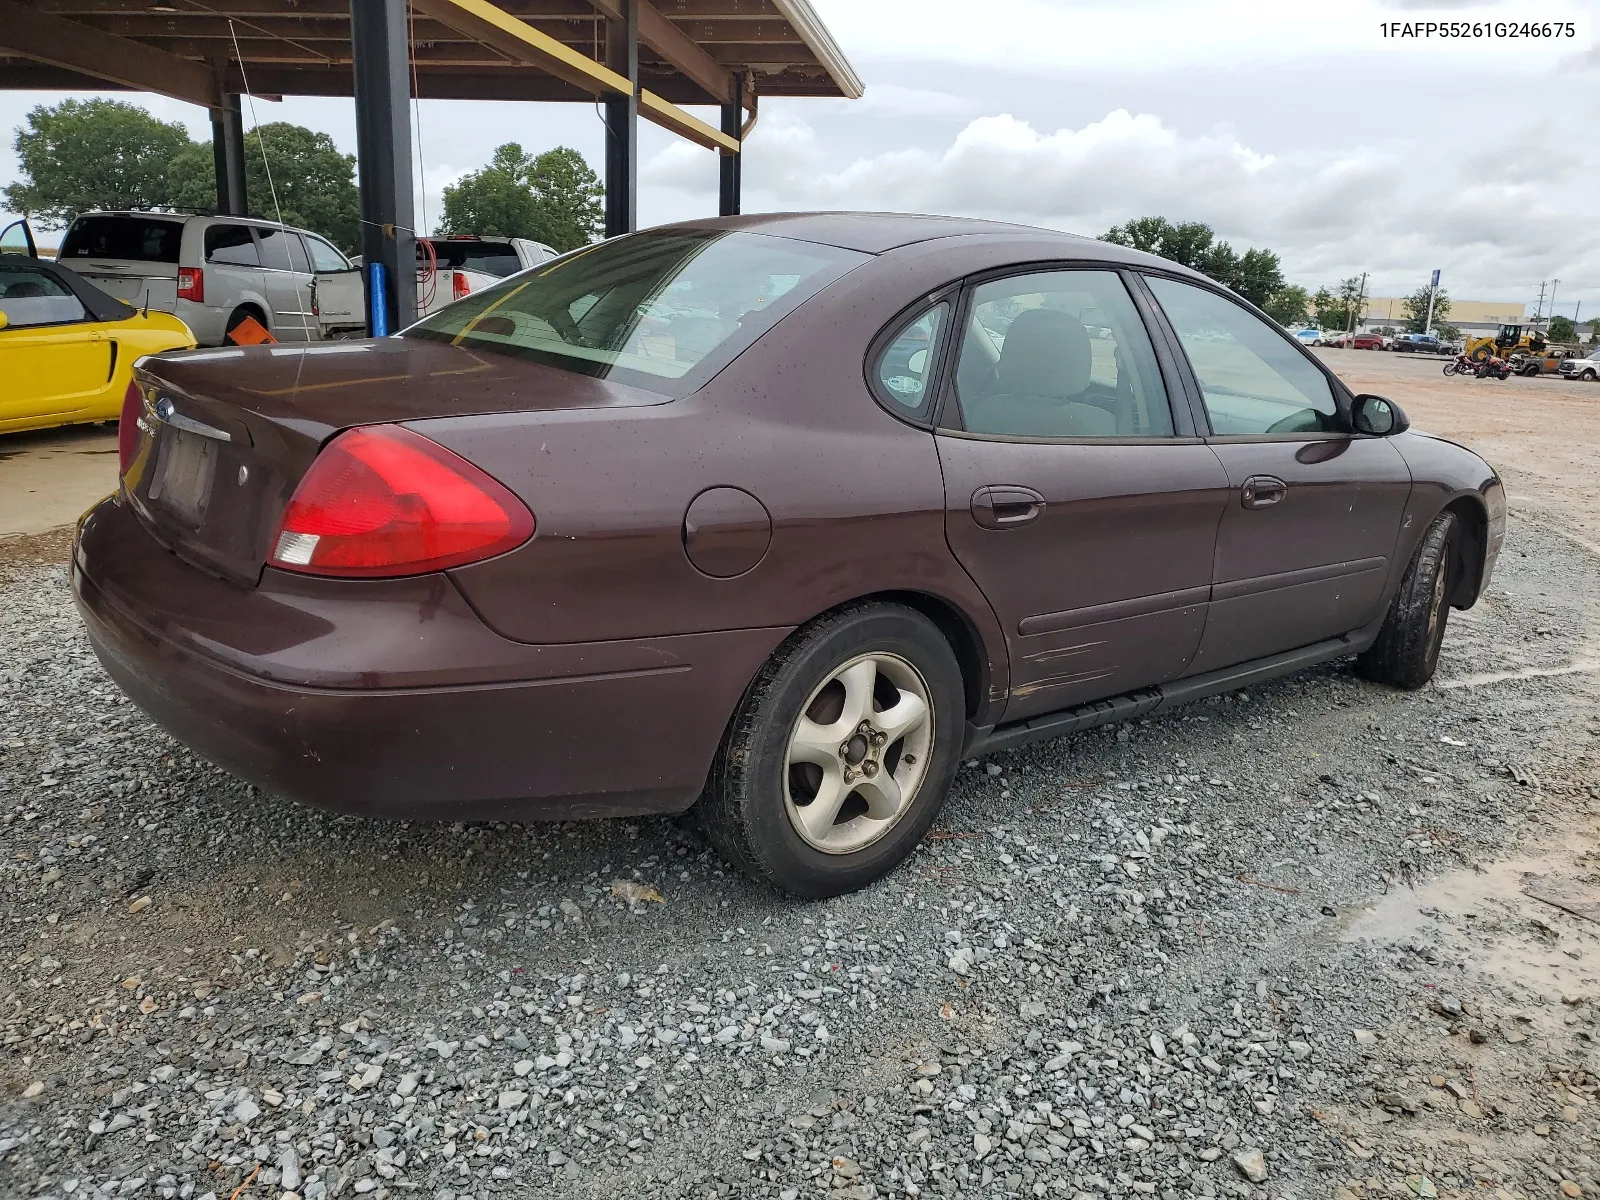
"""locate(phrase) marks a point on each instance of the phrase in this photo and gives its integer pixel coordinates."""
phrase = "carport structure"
(639, 58)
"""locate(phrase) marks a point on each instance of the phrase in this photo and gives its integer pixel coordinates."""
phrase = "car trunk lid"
(225, 435)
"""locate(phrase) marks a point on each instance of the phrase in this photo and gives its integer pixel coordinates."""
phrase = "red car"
(777, 516)
(1366, 341)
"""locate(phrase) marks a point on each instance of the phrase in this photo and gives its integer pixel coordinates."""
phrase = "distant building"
(1469, 316)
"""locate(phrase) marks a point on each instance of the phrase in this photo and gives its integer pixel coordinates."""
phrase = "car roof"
(180, 218)
(879, 232)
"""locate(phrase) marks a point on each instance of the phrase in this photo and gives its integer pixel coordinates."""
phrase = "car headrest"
(1046, 353)
(25, 288)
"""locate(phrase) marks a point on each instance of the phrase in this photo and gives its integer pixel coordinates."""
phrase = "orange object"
(250, 332)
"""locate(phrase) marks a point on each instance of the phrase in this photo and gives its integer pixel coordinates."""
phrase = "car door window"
(324, 257)
(274, 248)
(904, 367)
(297, 254)
(31, 298)
(1059, 354)
(232, 246)
(1253, 381)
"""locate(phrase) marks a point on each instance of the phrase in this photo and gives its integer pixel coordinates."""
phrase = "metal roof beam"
(61, 43)
(494, 26)
(677, 48)
(669, 116)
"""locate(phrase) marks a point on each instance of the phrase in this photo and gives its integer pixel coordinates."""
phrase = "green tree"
(1336, 309)
(1289, 305)
(1563, 330)
(1416, 308)
(552, 197)
(314, 182)
(1594, 330)
(81, 155)
(1256, 274)
(1260, 277)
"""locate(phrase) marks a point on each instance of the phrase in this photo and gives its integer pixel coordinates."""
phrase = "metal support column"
(227, 152)
(730, 165)
(381, 49)
(622, 123)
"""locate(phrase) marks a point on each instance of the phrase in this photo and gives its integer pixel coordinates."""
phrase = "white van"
(211, 272)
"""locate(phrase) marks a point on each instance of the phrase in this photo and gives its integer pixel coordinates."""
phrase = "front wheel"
(839, 756)
(1451, 368)
(1589, 376)
(1406, 652)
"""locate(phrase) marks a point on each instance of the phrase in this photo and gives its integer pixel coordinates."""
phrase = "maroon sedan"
(778, 516)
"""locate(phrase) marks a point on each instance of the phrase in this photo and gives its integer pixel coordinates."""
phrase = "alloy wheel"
(858, 754)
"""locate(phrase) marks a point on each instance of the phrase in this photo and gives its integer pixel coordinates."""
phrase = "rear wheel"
(1407, 650)
(839, 756)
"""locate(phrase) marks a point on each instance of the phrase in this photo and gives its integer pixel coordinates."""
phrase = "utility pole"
(1355, 310)
(1539, 308)
(1553, 284)
(1433, 290)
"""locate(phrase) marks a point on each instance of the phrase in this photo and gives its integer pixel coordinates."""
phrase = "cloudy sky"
(1296, 126)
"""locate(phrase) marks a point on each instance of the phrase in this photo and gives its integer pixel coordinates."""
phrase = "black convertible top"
(101, 306)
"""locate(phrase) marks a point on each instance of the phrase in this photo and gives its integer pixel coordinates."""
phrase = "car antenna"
(145, 312)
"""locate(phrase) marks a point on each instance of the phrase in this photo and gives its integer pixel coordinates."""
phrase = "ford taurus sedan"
(778, 517)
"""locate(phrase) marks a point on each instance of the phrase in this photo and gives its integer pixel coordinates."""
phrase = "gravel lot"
(1276, 944)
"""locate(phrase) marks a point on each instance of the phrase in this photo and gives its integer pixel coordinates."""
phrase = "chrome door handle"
(1262, 491)
(1006, 506)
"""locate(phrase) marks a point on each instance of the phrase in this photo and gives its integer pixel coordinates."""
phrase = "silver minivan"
(212, 272)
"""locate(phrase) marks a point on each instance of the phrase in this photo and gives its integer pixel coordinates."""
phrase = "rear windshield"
(489, 258)
(141, 239)
(663, 311)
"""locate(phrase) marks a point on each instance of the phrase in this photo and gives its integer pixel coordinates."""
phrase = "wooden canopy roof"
(690, 51)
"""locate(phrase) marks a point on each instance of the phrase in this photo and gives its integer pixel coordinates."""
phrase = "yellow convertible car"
(66, 348)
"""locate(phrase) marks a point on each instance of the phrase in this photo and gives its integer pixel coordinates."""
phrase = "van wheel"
(1407, 650)
(840, 754)
(237, 318)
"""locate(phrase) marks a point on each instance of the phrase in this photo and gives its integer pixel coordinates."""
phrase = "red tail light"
(458, 285)
(128, 427)
(381, 500)
(192, 284)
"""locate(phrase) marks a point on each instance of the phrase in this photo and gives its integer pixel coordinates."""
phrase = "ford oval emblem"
(164, 407)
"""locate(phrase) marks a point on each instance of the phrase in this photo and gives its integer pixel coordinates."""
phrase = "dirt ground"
(1540, 434)
(48, 477)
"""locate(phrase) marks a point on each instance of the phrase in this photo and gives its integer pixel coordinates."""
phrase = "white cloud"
(893, 100)
(1380, 207)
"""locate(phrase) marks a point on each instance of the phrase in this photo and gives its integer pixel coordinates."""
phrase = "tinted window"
(232, 246)
(142, 239)
(658, 310)
(489, 258)
(297, 254)
(30, 297)
(1253, 380)
(274, 248)
(324, 257)
(904, 367)
(1059, 354)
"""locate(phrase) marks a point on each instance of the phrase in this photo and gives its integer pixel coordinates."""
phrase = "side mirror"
(1376, 416)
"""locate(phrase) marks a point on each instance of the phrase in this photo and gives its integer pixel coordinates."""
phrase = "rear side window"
(905, 366)
(34, 298)
(231, 245)
(139, 239)
(1252, 381)
(662, 311)
(297, 254)
(274, 248)
(1059, 354)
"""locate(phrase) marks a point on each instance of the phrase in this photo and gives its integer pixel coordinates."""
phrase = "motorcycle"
(1490, 368)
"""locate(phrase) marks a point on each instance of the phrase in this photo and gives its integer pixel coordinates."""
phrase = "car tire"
(1589, 376)
(1406, 652)
(770, 768)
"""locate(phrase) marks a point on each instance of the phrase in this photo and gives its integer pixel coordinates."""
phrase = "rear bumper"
(391, 698)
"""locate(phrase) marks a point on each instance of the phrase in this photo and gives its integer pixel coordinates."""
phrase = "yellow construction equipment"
(1509, 340)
